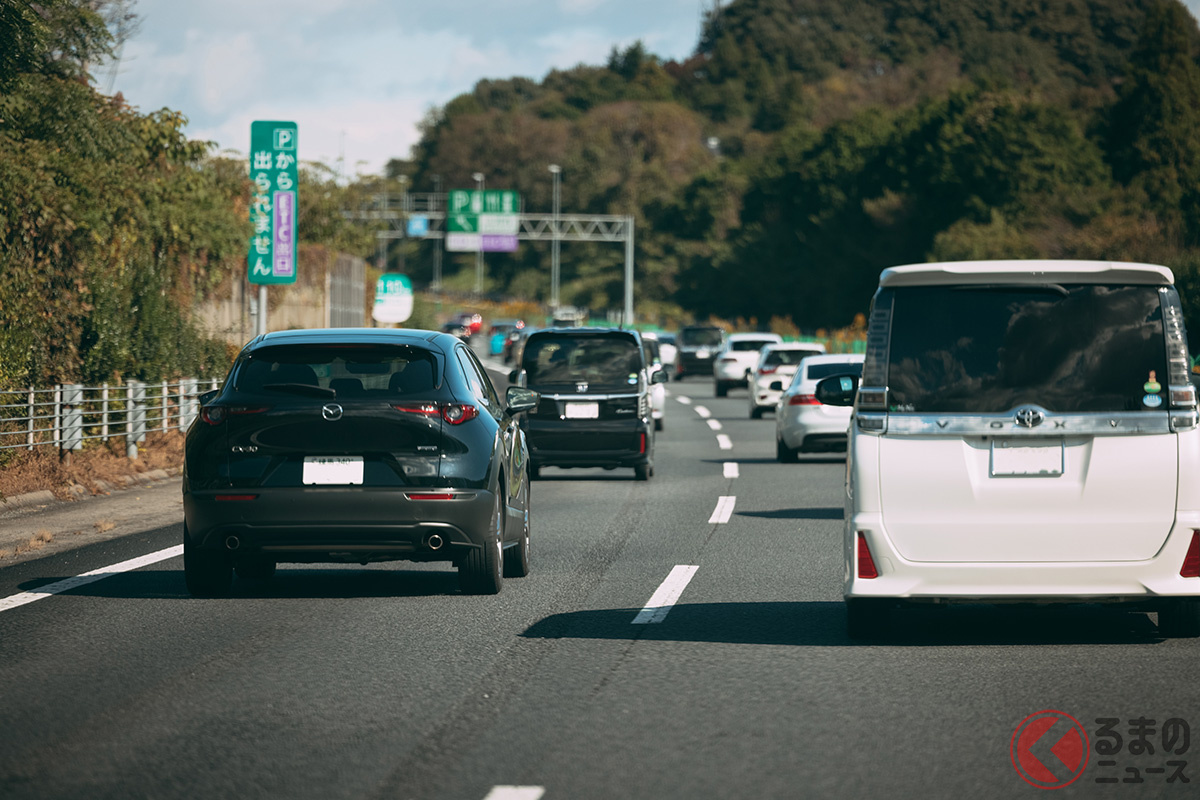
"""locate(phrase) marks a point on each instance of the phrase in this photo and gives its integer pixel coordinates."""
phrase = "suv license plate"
(582, 411)
(1013, 460)
(332, 470)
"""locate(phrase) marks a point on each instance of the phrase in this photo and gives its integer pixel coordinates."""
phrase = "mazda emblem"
(1029, 417)
(331, 412)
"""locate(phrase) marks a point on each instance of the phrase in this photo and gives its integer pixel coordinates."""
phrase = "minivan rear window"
(788, 358)
(348, 370)
(744, 345)
(598, 360)
(988, 349)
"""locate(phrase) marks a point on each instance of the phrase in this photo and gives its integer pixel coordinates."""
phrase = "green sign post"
(273, 202)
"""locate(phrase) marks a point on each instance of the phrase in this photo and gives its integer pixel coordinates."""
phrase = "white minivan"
(1025, 431)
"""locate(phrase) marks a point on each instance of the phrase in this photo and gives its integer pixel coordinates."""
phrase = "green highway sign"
(393, 298)
(273, 172)
(482, 220)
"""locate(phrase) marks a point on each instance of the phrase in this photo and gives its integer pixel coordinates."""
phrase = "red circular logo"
(1049, 749)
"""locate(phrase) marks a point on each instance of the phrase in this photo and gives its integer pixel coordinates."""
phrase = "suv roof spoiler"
(1026, 272)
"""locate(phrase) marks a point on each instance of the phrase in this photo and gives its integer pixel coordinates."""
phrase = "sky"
(360, 74)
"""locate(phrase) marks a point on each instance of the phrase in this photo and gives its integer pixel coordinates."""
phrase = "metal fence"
(70, 414)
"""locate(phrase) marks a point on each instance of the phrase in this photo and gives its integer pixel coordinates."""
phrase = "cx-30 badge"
(331, 412)
(1029, 417)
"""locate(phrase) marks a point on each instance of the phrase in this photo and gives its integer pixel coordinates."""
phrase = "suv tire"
(482, 570)
(785, 454)
(721, 389)
(756, 412)
(206, 573)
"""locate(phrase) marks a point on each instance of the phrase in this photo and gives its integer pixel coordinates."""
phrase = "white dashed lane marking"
(712, 423)
(731, 469)
(66, 584)
(666, 596)
(723, 511)
(704, 412)
(515, 793)
(723, 442)
(687, 401)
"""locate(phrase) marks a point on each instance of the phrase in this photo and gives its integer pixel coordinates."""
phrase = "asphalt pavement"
(678, 638)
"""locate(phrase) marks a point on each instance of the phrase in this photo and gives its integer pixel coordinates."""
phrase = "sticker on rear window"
(1152, 401)
(1152, 386)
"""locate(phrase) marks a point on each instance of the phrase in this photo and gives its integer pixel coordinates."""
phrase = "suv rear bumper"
(1025, 582)
(309, 524)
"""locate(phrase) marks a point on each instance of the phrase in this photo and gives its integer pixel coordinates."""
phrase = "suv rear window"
(988, 349)
(700, 337)
(815, 372)
(599, 360)
(349, 370)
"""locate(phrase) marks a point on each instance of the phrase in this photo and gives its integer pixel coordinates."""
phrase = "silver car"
(802, 423)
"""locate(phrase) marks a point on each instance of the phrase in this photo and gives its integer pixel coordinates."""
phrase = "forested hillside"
(807, 144)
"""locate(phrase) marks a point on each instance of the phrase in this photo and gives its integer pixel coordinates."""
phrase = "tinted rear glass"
(788, 357)
(600, 361)
(700, 337)
(814, 372)
(350, 370)
(745, 345)
(1076, 348)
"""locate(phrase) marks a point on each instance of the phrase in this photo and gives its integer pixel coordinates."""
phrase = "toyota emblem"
(1030, 417)
(331, 412)
(581, 387)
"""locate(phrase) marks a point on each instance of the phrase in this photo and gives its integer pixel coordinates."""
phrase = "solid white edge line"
(723, 442)
(515, 793)
(731, 469)
(702, 411)
(66, 584)
(712, 423)
(683, 398)
(723, 511)
(666, 595)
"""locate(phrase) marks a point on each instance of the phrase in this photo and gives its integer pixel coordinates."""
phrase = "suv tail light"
(1191, 562)
(768, 370)
(453, 413)
(215, 415)
(803, 400)
(866, 564)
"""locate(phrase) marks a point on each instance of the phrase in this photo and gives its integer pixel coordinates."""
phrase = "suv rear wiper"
(300, 388)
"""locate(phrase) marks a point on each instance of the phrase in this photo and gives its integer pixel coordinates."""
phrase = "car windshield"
(787, 358)
(700, 337)
(343, 371)
(598, 360)
(749, 345)
(1082, 348)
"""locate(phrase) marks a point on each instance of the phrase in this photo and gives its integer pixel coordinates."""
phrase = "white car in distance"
(738, 359)
(777, 365)
(802, 423)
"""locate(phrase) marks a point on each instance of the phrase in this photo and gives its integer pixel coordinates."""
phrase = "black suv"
(697, 347)
(595, 408)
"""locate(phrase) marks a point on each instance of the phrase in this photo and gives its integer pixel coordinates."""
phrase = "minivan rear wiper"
(300, 388)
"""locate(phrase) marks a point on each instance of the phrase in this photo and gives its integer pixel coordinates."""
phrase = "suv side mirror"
(837, 390)
(776, 386)
(517, 377)
(518, 399)
(658, 376)
(207, 397)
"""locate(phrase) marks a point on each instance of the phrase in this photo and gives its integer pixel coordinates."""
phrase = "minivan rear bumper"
(1025, 582)
(600, 443)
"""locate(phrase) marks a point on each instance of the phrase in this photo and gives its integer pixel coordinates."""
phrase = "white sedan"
(777, 365)
(802, 424)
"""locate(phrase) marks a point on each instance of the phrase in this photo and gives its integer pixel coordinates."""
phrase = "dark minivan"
(595, 408)
(697, 347)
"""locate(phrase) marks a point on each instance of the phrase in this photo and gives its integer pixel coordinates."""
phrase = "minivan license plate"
(333, 470)
(1013, 460)
(582, 411)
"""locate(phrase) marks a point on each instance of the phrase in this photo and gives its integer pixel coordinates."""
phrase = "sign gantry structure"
(416, 215)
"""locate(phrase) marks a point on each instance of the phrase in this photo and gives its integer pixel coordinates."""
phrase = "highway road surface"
(679, 638)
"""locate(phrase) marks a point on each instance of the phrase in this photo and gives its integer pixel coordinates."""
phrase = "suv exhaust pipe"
(434, 542)
(233, 543)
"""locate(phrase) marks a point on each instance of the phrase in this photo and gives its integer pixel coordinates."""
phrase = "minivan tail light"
(1191, 561)
(872, 399)
(235, 498)
(432, 496)
(641, 443)
(866, 564)
(803, 400)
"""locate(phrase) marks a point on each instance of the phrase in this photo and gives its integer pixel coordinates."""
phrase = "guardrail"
(70, 414)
